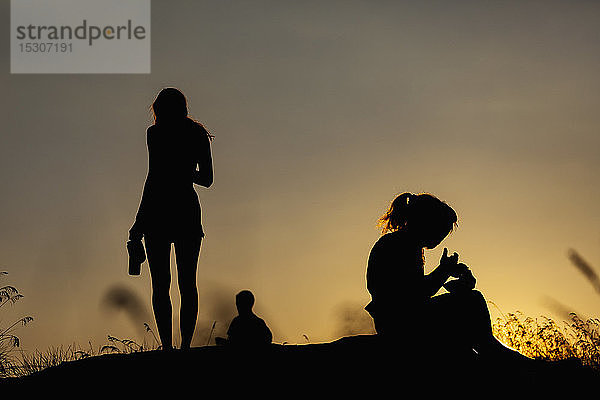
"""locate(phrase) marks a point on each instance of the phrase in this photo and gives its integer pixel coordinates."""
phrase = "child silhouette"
(247, 329)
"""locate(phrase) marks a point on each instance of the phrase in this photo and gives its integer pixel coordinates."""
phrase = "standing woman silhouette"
(179, 155)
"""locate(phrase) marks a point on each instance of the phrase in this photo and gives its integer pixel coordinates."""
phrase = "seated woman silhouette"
(403, 304)
(179, 155)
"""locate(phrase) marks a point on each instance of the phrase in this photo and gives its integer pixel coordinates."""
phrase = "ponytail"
(423, 208)
(396, 217)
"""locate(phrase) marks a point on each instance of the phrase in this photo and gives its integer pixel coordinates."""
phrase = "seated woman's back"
(395, 275)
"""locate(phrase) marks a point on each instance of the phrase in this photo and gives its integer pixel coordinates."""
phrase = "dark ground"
(357, 366)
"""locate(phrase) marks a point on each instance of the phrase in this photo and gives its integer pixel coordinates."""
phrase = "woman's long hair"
(170, 106)
(424, 208)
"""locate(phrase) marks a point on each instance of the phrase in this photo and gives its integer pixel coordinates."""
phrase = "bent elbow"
(208, 181)
(203, 179)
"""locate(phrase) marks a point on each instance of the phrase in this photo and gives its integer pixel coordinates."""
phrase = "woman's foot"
(166, 348)
(497, 355)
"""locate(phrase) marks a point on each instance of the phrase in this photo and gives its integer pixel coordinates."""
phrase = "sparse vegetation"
(542, 338)
(9, 342)
(128, 346)
(28, 363)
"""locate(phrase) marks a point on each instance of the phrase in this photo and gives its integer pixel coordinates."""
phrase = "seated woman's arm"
(448, 267)
(434, 281)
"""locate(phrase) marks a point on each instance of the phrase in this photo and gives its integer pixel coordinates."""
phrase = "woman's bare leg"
(468, 313)
(158, 251)
(187, 251)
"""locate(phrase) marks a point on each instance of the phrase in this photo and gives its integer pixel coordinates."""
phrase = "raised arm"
(435, 280)
(203, 176)
(448, 267)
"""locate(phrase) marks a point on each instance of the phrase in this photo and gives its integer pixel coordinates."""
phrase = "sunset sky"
(322, 112)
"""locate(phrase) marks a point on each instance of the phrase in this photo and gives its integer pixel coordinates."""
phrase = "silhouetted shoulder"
(150, 133)
(151, 129)
(201, 132)
(248, 330)
(393, 258)
(196, 131)
(397, 240)
(382, 252)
